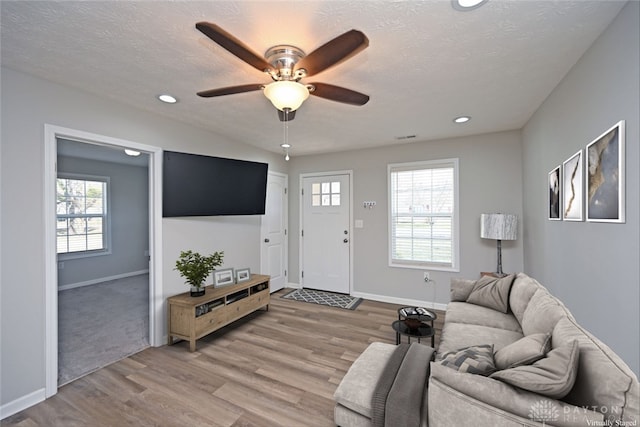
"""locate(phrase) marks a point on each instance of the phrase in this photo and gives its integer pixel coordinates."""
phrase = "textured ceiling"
(426, 62)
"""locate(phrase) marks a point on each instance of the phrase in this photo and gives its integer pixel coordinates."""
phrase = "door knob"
(266, 240)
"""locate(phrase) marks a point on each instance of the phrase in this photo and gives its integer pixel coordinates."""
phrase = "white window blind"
(423, 214)
(82, 216)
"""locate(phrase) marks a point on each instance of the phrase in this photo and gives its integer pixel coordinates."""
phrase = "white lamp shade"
(499, 226)
(286, 94)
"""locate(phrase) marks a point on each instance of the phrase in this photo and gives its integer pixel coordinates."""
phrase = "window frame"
(454, 266)
(106, 217)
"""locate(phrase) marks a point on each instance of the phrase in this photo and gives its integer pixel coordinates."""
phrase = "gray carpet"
(324, 298)
(101, 324)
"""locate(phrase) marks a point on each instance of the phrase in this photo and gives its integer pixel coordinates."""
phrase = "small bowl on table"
(412, 323)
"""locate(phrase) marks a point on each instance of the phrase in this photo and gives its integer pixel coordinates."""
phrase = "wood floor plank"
(273, 368)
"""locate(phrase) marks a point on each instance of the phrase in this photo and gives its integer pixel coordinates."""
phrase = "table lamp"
(499, 227)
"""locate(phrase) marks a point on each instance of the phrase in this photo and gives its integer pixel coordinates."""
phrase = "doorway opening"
(102, 244)
(54, 134)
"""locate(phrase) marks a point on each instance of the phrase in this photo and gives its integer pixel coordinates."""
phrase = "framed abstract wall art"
(555, 194)
(606, 176)
(572, 188)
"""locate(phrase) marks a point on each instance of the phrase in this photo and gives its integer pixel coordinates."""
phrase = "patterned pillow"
(477, 359)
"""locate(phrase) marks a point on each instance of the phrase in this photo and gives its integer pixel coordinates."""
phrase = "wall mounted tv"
(195, 185)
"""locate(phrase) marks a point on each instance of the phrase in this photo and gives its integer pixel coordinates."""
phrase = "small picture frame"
(243, 274)
(223, 277)
(573, 188)
(555, 194)
(606, 176)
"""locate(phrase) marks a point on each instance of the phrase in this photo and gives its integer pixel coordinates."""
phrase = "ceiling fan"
(287, 65)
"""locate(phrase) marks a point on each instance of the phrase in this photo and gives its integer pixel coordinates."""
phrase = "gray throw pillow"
(492, 292)
(551, 376)
(525, 351)
(477, 359)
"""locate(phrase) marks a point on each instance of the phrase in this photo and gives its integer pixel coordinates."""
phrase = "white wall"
(490, 181)
(27, 104)
(591, 267)
(129, 226)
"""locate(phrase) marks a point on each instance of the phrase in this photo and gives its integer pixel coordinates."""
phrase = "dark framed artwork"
(605, 161)
(555, 194)
(573, 188)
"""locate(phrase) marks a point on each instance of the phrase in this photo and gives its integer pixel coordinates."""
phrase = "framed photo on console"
(243, 274)
(223, 277)
(605, 176)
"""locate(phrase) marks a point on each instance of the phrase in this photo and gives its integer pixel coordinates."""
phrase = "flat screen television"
(196, 185)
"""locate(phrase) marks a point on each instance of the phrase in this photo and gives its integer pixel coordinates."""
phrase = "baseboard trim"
(401, 301)
(385, 298)
(293, 285)
(22, 403)
(100, 280)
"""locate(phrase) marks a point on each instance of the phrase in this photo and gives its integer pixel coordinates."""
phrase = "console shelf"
(190, 318)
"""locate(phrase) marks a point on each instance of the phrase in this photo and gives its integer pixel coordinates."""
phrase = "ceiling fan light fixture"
(286, 94)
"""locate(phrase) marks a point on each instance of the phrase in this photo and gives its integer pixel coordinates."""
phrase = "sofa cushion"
(462, 312)
(542, 313)
(551, 376)
(476, 359)
(500, 397)
(525, 351)
(492, 292)
(460, 335)
(356, 389)
(522, 290)
(461, 288)
(604, 381)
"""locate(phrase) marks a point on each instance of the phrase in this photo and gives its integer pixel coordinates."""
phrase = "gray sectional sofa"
(510, 354)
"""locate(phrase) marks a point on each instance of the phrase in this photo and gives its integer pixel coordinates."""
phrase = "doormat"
(324, 298)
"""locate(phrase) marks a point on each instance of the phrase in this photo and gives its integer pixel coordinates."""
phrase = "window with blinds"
(423, 220)
(82, 215)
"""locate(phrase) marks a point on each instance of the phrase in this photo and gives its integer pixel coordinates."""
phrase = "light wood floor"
(274, 368)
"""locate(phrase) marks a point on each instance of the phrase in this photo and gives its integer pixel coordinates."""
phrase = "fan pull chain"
(285, 130)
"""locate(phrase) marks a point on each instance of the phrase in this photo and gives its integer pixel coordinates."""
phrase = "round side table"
(424, 329)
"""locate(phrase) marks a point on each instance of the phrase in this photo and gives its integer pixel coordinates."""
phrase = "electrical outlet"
(427, 277)
(61, 265)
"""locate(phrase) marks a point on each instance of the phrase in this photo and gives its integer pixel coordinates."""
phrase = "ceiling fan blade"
(233, 45)
(333, 52)
(339, 94)
(290, 116)
(230, 90)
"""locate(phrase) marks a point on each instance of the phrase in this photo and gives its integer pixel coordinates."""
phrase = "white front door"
(326, 234)
(273, 233)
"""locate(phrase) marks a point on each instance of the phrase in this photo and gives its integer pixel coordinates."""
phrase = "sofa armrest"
(461, 288)
(509, 405)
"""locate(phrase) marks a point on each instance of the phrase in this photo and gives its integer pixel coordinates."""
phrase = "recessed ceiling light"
(132, 153)
(167, 98)
(466, 5)
(462, 119)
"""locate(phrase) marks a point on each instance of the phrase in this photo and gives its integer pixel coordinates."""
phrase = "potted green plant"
(195, 268)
